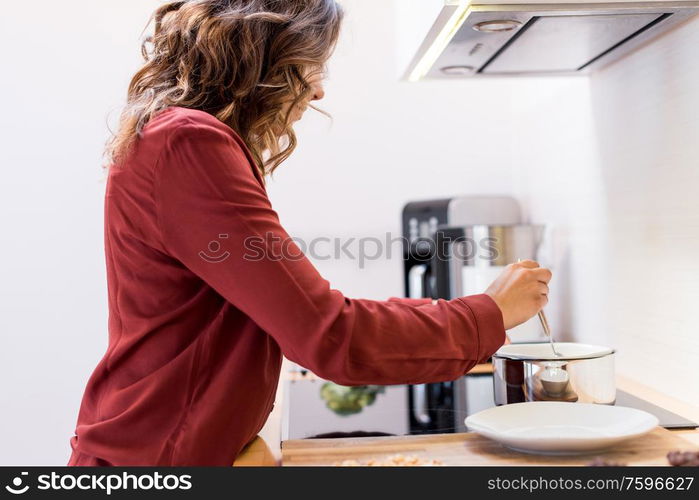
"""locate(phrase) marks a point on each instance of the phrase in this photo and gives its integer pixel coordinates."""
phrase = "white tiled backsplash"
(612, 162)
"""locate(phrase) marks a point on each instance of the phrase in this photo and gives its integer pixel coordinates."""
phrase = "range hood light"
(496, 26)
(457, 70)
(440, 42)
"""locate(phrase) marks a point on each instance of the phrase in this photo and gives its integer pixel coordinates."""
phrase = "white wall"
(65, 67)
(614, 166)
(559, 184)
(646, 113)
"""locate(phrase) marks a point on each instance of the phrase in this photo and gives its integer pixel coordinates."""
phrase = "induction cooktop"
(667, 419)
(479, 396)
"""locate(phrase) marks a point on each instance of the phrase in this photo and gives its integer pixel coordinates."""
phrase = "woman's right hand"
(520, 291)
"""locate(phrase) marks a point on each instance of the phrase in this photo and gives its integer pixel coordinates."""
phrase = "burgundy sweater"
(199, 316)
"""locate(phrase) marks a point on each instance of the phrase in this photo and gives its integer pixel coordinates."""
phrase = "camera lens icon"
(16, 488)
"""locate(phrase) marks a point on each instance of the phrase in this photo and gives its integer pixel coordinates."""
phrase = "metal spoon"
(547, 331)
(547, 328)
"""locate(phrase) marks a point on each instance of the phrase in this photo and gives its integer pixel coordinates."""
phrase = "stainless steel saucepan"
(532, 372)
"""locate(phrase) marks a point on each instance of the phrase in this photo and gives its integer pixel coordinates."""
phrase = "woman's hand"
(520, 291)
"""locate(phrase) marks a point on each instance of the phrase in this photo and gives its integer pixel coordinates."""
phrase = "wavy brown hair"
(246, 62)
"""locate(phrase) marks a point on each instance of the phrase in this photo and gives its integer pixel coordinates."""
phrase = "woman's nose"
(318, 93)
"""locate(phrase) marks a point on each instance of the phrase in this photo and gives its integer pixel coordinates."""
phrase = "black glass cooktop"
(479, 388)
(667, 419)
(310, 416)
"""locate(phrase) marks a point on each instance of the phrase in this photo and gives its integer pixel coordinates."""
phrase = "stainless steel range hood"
(476, 40)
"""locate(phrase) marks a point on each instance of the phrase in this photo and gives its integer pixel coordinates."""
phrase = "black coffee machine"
(428, 226)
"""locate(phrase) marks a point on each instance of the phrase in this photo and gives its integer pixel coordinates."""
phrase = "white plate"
(568, 350)
(557, 428)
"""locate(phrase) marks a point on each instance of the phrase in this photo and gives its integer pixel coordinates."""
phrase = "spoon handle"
(544, 323)
(547, 331)
(546, 327)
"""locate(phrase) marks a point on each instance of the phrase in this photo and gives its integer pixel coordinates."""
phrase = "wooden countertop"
(469, 449)
(473, 449)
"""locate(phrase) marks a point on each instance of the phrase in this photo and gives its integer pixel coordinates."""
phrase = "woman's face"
(315, 80)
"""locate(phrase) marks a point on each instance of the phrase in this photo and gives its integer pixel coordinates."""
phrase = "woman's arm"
(205, 191)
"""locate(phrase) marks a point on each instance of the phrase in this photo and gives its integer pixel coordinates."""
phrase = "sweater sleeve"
(414, 302)
(216, 219)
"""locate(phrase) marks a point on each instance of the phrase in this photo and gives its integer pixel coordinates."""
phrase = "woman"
(197, 328)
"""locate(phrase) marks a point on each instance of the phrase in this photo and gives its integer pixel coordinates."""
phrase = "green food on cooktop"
(349, 400)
